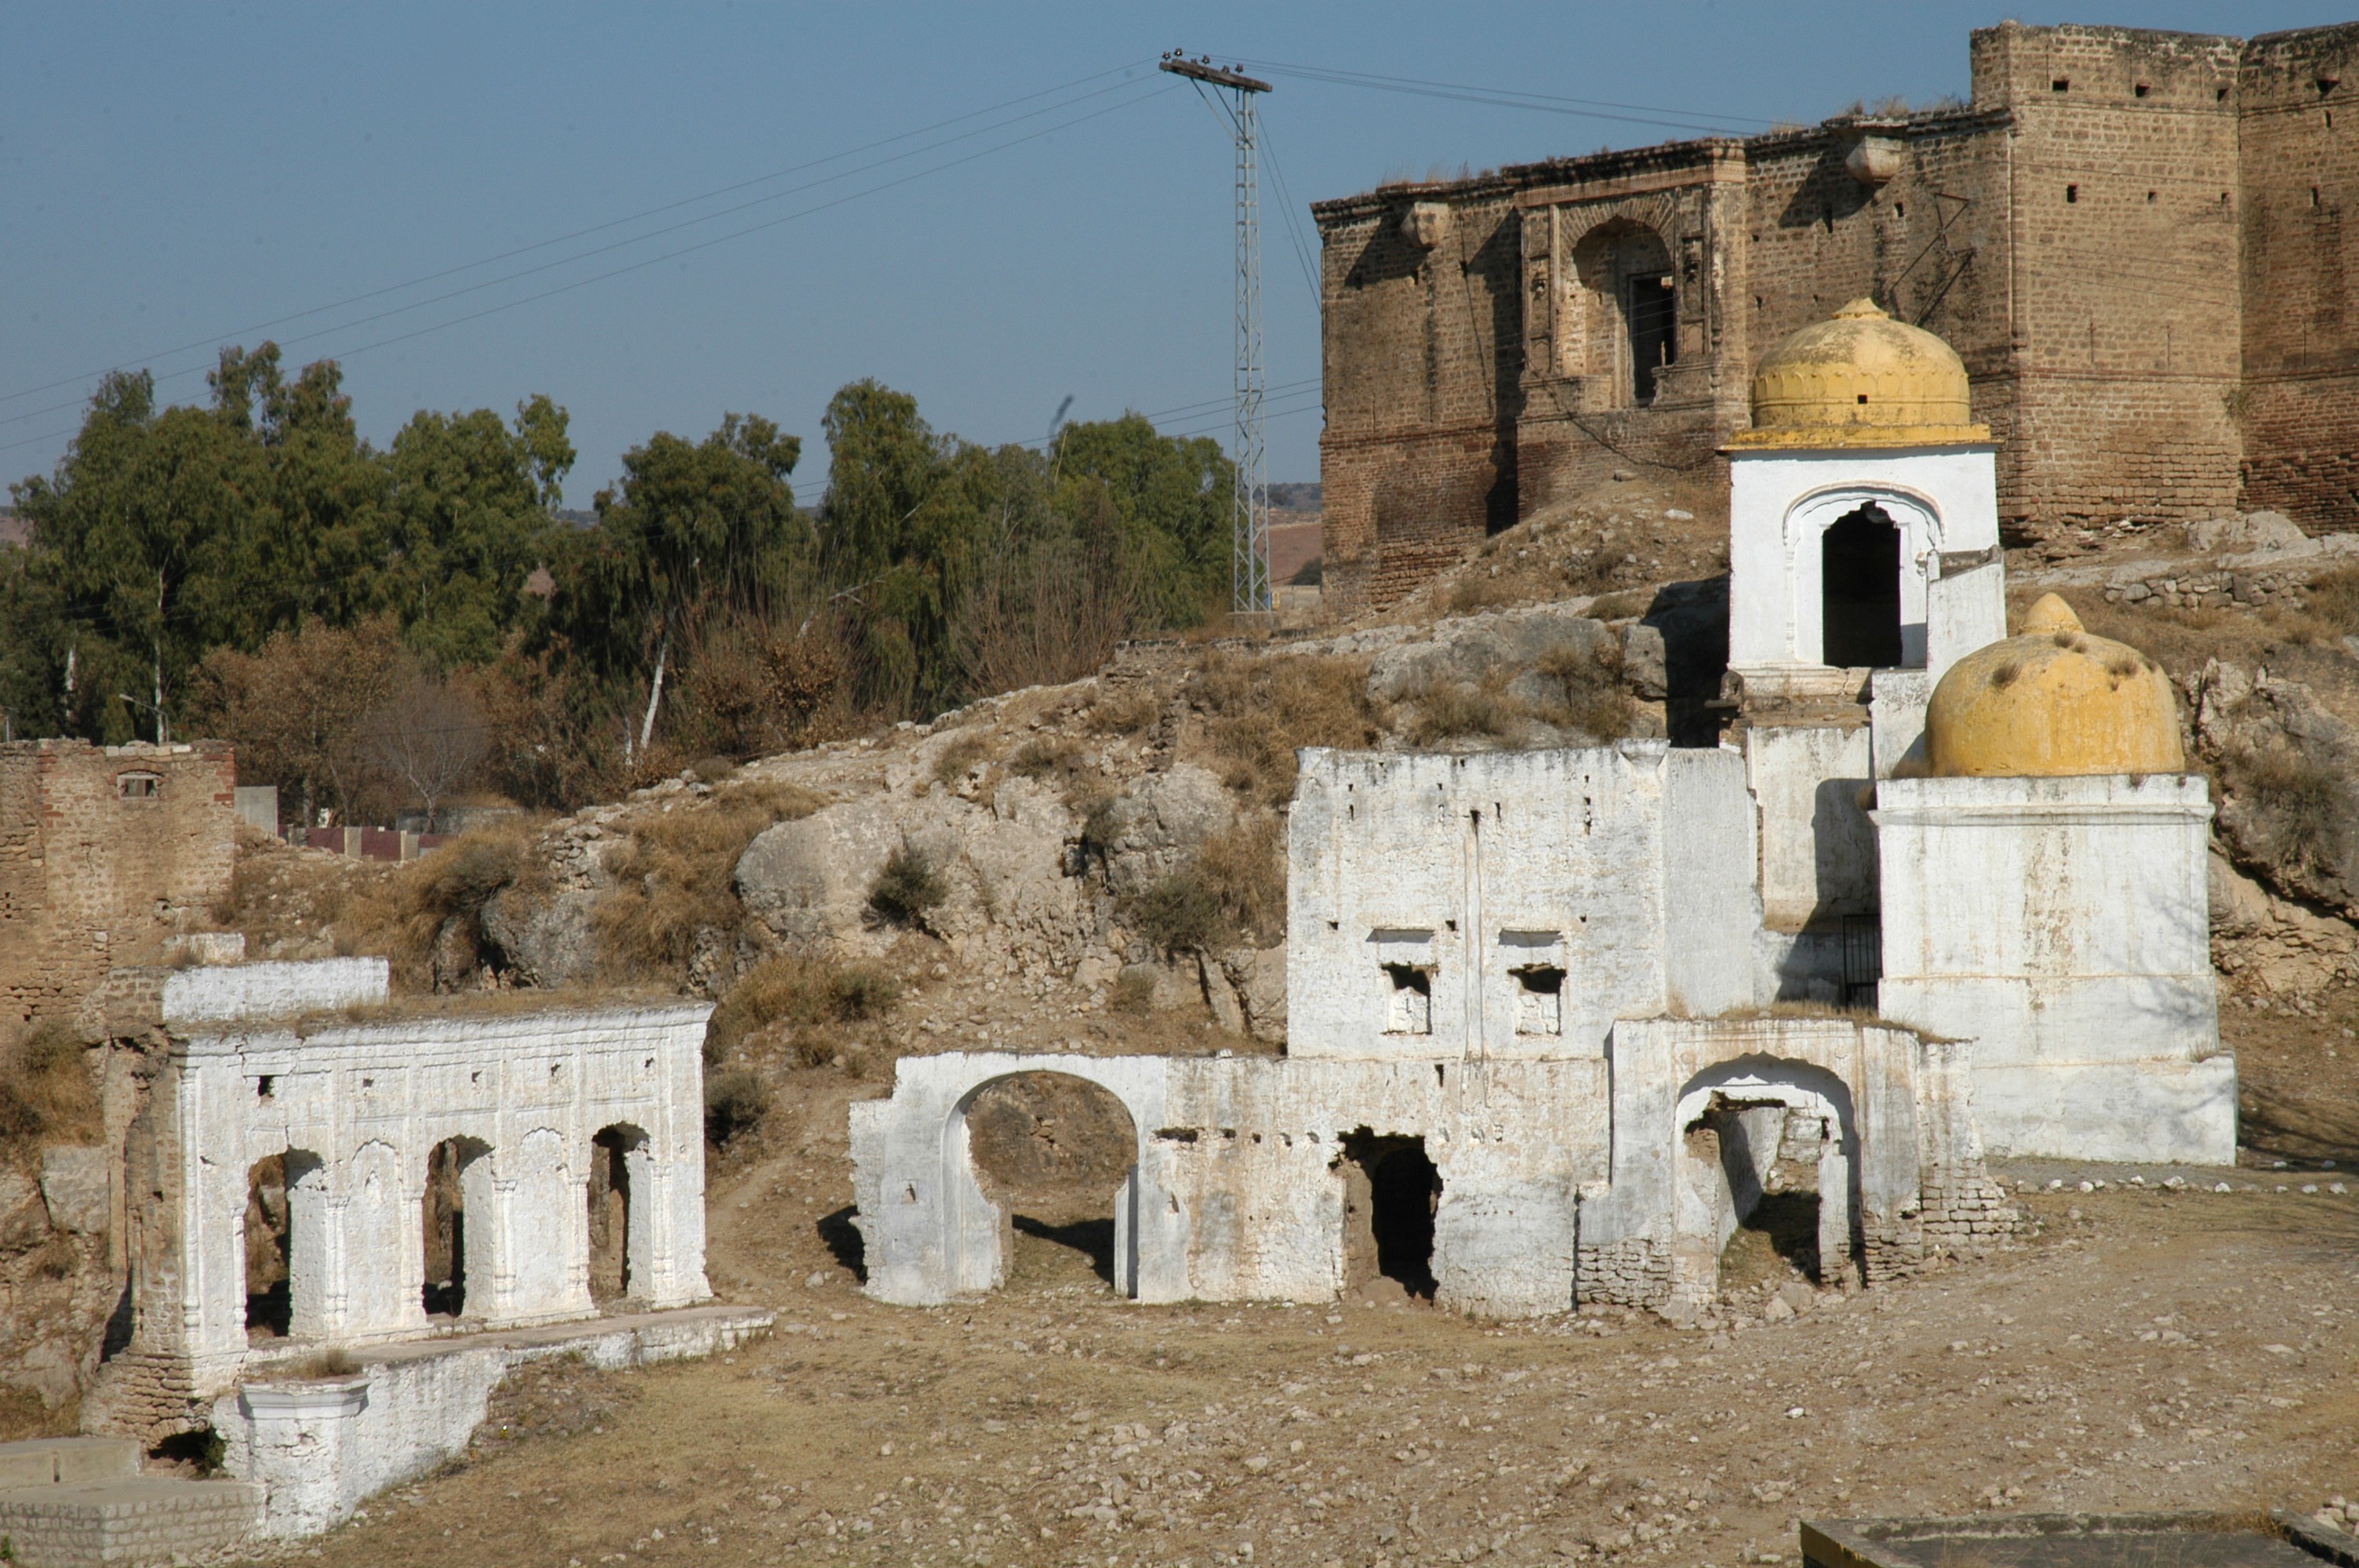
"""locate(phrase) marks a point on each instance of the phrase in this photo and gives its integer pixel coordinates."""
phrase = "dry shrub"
(907, 889)
(1244, 868)
(955, 761)
(1259, 711)
(1044, 759)
(1452, 711)
(752, 688)
(1180, 914)
(1124, 711)
(2298, 802)
(1134, 990)
(2334, 599)
(46, 1095)
(1484, 591)
(678, 876)
(452, 883)
(735, 1102)
(794, 988)
(1596, 701)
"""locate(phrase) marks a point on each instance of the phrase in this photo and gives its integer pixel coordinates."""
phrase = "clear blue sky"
(177, 175)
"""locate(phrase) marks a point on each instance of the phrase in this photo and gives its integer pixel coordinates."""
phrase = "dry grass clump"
(801, 991)
(735, 1102)
(1126, 710)
(1581, 692)
(678, 876)
(1452, 711)
(1134, 990)
(1260, 710)
(46, 1095)
(1234, 890)
(907, 889)
(2334, 600)
(2298, 803)
(955, 761)
(1597, 703)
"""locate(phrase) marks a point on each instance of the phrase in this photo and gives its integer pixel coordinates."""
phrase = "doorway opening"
(1391, 1191)
(269, 1289)
(444, 1211)
(1859, 584)
(615, 1270)
(1654, 332)
(1771, 1153)
(1054, 1153)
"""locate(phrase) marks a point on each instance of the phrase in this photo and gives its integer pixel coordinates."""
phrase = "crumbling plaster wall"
(2062, 925)
(357, 1108)
(1626, 870)
(1238, 1193)
(1913, 1161)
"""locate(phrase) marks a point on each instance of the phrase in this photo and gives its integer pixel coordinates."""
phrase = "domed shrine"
(2053, 702)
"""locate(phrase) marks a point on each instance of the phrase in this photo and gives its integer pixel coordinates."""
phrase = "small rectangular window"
(1540, 999)
(139, 786)
(2071, 193)
(2061, 84)
(1410, 1009)
(2140, 90)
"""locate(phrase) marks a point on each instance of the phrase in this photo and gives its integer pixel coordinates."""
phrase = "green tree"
(470, 499)
(694, 533)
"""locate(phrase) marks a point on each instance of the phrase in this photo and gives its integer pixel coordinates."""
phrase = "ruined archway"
(453, 1166)
(620, 1250)
(1056, 1154)
(1766, 1170)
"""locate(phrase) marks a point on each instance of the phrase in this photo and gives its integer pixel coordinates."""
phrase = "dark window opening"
(1654, 330)
(1900, 209)
(2061, 84)
(1862, 960)
(2149, 198)
(1859, 578)
(2071, 193)
(1391, 1192)
(263, 1085)
(2140, 90)
(1863, 400)
(139, 786)
(269, 1297)
(2313, 196)
(2219, 95)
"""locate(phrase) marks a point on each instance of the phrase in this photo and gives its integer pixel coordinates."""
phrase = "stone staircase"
(69, 1502)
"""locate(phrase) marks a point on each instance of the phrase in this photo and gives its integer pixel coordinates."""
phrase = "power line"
(612, 224)
(674, 254)
(1507, 98)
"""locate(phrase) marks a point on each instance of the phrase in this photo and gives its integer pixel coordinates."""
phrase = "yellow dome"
(1861, 380)
(2049, 701)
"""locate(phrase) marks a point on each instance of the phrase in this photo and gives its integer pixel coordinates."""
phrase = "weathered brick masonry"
(2134, 239)
(103, 851)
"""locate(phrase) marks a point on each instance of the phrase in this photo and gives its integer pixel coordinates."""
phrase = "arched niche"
(1620, 317)
(621, 1217)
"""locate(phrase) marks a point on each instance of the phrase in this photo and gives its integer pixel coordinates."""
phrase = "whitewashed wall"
(1944, 499)
(357, 1109)
(2063, 924)
(1473, 867)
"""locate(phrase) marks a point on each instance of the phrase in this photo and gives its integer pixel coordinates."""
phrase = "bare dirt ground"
(2138, 1348)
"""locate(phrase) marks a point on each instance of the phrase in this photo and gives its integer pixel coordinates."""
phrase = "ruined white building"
(1534, 1052)
(341, 1222)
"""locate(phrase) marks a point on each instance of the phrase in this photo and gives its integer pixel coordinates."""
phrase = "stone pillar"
(1836, 1267)
(297, 1450)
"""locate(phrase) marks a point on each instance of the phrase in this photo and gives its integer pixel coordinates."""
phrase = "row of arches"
(290, 1236)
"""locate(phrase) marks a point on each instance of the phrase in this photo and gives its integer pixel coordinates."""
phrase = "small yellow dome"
(1861, 380)
(2050, 701)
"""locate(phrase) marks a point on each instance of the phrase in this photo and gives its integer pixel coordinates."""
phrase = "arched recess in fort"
(1620, 315)
(456, 1253)
(979, 1220)
(1859, 509)
(1733, 1120)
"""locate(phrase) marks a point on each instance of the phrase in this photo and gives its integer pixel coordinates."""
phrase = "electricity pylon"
(1249, 499)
